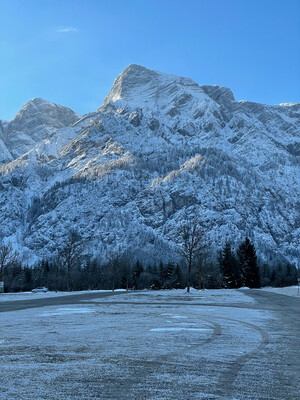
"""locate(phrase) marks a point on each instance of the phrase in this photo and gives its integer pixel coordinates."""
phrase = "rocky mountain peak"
(38, 111)
(140, 87)
(37, 120)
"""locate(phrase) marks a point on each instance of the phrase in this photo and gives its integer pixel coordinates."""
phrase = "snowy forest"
(72, 270)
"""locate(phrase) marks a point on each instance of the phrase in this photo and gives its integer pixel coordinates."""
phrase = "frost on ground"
(144, 346)
(29, 295)
(288, 290)
(179, 295)
(67, 311)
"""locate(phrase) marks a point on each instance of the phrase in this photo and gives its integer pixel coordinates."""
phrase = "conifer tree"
(228, 267)
(177, 277)
(137, 271)
(7, 257)
(248, 264)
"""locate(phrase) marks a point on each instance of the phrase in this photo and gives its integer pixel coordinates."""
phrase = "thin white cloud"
(66, 29)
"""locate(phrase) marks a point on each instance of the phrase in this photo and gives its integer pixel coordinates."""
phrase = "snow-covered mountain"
(37, 120)
(160, 147)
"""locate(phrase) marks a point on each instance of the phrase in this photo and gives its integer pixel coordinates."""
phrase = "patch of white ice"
(67, 311)
(178, 329)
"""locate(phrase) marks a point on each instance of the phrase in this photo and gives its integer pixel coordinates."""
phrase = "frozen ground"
(30, 295)
(153, 345)
(218, 296)
(288, 290)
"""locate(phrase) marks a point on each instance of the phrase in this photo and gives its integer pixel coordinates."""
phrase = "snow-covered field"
(219, 296)
(288, 290)
(145, 345)
(30, 295)
(203, 296)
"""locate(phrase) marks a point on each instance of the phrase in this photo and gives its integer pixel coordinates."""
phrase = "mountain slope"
(159, 147)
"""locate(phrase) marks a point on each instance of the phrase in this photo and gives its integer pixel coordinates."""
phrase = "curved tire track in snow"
(228, 376)
(216, 332)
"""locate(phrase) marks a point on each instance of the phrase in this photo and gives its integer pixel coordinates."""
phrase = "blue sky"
(70, 51)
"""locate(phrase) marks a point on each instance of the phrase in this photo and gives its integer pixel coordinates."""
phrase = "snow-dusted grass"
(288, 290)
(160, 346)
(30, 295)
(67, 311)
(222, 296)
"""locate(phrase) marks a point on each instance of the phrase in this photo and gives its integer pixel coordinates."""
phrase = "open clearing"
(214, 344)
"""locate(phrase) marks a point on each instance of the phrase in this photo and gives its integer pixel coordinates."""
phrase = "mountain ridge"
(125, 175)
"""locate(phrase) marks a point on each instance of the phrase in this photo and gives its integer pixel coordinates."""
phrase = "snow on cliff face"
(37, 120)
(160, 146)
(139, 87)
(5, 155)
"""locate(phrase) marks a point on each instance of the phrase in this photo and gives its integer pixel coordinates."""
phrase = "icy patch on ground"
(178, 329)
(67, 311)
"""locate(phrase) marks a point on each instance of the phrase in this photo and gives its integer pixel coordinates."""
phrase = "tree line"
(72, 270)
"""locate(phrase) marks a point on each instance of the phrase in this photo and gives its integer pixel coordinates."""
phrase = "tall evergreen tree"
(7, 257)
(137, 271)
(169, 276)
(177, 278)
(162, 274)
(248, 264)
(229, 267)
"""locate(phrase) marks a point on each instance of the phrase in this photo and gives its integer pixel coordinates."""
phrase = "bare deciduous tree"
(7, 256)
(70, 253)
(189, 243)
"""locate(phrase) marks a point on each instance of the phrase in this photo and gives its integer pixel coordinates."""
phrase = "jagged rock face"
(37, 120)
(5, 155)
(160, 147)
(138, 87)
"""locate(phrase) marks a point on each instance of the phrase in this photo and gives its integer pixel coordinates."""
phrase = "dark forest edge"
(72, 270)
